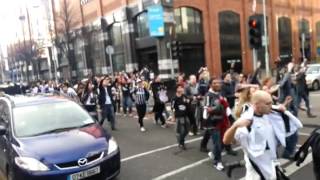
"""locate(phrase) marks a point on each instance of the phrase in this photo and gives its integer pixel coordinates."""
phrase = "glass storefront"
(285, 39)
(303, 26)
(230, 40)
(189, 30)
(142, 27)
(188, 21)
(117, 42)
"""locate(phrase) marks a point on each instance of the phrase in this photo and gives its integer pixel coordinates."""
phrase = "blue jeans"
(217, 145)
(291, 143)
(305, 97)
(108, 112)
(127, 103)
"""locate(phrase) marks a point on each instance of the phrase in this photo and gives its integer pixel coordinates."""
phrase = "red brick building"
(211, 32)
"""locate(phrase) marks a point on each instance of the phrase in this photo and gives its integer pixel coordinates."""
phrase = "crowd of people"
(259, 113)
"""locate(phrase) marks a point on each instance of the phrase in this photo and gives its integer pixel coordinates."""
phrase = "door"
(148, 58)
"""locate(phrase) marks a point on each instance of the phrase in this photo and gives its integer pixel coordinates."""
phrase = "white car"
(313, 76)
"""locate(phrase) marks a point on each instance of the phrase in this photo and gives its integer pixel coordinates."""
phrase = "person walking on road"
(214, 114)
(89, 99)
(259, 139)
(141, 96)
(106, 101)
(160, 98)
(179, 105)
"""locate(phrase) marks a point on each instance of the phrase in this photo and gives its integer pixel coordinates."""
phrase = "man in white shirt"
(257, 138)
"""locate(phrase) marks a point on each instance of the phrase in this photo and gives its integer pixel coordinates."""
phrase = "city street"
(154, 154)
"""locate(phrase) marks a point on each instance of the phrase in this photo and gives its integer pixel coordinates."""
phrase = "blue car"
(52, 138)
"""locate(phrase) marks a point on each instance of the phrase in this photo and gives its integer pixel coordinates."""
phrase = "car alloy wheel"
(315, 85)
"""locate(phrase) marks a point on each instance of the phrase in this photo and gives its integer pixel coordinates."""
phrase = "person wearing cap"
(141, 96)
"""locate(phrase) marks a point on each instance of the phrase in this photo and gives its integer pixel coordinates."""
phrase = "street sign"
(110, 50)
(156, 21)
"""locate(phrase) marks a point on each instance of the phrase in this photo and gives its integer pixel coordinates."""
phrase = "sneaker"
(155, 122)
(219, 166)
(164, 126)
(210, 154)
(191, 134)
(142, 129)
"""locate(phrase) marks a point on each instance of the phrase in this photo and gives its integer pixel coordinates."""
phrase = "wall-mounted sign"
(156, 21)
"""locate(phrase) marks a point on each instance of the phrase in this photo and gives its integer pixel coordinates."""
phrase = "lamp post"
(266, 39)
(22, 18)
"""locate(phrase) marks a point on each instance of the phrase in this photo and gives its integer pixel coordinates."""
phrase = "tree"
(66, 19)
(27, 52)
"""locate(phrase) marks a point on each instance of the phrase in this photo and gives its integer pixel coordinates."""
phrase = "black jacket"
(217, 109)
(102, 95)
(227, 91)
(314, 142)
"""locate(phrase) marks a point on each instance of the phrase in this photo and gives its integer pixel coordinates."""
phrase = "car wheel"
(316, 85)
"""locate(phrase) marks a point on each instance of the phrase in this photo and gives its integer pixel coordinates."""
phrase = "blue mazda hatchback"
(44, 137)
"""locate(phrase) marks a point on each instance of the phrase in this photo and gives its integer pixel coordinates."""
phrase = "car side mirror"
(3, 130)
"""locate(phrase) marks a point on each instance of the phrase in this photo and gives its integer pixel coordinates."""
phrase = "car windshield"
(46, 118)
(313, 70)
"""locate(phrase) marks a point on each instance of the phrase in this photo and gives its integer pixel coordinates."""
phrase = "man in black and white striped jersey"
(141, 96)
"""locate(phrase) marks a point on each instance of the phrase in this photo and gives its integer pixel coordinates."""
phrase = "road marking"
(172, 146)
(285, 161)
(292, 168)
(304, 134)
(157, 150)
(177, 171)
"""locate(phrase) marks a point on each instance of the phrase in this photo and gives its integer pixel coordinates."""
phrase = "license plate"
(85, 174)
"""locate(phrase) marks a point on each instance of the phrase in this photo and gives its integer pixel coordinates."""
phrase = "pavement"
(154, 155)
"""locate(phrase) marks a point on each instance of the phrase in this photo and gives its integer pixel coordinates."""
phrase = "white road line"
(292, 168)
(177, 171)
(157, 150)
(304, 134)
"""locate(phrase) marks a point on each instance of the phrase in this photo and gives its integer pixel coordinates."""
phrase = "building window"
(117, 42)
(285, 38)
(305, 47)
(188, 21)
(116, 34)
(141, 23)
(230, 40)
(118, 62)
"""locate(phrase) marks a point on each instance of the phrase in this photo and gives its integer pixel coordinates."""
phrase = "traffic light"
(176, 49)
(255, 31)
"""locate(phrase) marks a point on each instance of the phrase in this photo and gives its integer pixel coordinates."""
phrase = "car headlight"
(30, 164)
(113, 146)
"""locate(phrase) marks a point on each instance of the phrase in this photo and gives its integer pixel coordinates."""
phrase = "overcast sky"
(9, 18)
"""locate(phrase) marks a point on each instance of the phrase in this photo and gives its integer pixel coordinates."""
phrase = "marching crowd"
(259, 114)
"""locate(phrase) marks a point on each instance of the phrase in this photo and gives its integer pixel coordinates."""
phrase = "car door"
(4, 121)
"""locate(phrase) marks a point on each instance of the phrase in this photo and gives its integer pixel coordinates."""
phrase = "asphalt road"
(154, 155)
